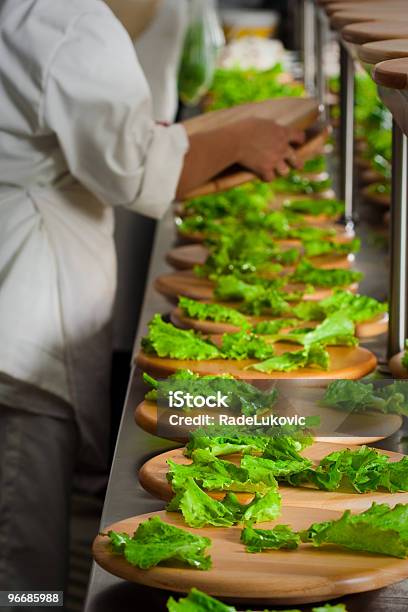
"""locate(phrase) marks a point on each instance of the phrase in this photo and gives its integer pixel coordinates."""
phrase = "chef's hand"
(265, 147)
(261, 145)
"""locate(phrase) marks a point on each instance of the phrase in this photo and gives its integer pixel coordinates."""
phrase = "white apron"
(76, 137)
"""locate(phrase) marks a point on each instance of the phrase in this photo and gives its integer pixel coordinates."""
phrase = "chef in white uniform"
(76, 138)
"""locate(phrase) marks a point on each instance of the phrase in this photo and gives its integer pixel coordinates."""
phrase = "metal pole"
(308, 44)
(398, 242)
(347, 134)
(321, 39)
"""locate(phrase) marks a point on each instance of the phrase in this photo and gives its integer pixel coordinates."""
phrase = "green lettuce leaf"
(315, 164)
(281, 536)
(272, 327)
(337, 329)
(380, 529)
(241, 396)
(155, 541)
(332, 208)
(196, 601)
(316, 248)
(309, 310)
(166, 340)
(357, 307)
(312, 355)
(225, 441)
(350, 396)
(215, 474)
(244, 345)
(318, 277)
(262, 469)
(199, 509)
(212, 312)
(362, 470)
(296, 183)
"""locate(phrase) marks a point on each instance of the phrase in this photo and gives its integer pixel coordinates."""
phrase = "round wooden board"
(396, 367)
(374, 327)
(345, 362)
(186, 283)
(377, 6)
(353, 430)
(152, 477)
(379, 199)
(383, 50)
(305, 575)
(188, 256)
(392, 73)
(369, 31)
(341, 19)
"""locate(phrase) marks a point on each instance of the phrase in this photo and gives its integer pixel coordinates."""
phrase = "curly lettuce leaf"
(294, 182)
(155, 541)
(260, 469)
(212, 312)
(166, 340)
(196, 601)
(241, 396)
(255, 296)
(215, 474)
(329, 207)
(225, 441)
(337, 329)
(244, 345)
(363, 470)
(306, 273)
(380, 529)
(357, 307)
(281, 536)
(316, 248)
(349, 395)
(199, 510)
(272, 327)
(313, 355)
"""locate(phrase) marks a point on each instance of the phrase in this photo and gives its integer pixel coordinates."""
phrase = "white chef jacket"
(76, 137)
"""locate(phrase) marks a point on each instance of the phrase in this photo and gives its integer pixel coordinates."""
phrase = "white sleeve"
(97, 101)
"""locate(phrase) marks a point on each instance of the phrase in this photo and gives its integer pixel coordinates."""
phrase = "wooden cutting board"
(392, 73)
(299, 113)
(341, 19)
(379, 199)
(152, 477)
(396, 367)
(375, 52)
(346, 362)
(369, 31)
(377, 6)
(277, 577)
(188, 256)
(186, 283)
(374, 327)
(353, 430)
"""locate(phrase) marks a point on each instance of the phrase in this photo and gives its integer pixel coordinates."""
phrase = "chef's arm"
(261, 145)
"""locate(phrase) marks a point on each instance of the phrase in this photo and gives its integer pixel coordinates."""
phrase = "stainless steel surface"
(347, 134)
(125, 497)
(321, 26)
(309, 46)
(398, 242)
